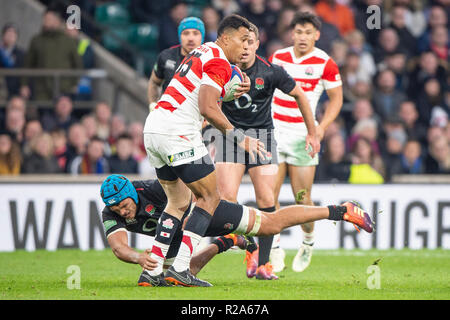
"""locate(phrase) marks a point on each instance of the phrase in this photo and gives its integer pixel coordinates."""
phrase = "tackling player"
(139, 207)
(315, 71)
(191, 33)
(175, 148)
(252, 113)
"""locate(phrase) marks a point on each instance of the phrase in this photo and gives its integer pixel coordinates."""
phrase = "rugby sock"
(251, 246)
(165, 230)
(308, 238)
(337, 212)
(194, 230)
(265, 243)
(223, 243)
(276, 241)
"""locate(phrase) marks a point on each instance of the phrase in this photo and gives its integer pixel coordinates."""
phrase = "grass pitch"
(333, 274)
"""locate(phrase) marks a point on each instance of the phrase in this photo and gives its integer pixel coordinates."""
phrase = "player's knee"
(265, 201)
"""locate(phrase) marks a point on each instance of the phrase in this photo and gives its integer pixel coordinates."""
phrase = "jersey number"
(184, 68)
(247, 105)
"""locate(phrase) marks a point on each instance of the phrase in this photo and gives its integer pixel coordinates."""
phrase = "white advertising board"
(52, 216)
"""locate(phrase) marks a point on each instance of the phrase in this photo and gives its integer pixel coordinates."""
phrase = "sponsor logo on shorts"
(168, 223)
(181, 155)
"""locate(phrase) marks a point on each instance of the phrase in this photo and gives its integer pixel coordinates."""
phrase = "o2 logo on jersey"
(248, 103)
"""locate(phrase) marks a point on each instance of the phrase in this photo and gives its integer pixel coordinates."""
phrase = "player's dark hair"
(303, 18)
(232, 21)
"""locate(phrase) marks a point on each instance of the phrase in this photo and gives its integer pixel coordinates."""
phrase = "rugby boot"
(252, 262)
(184, 278)
(302, 258)
(358, 217)
(265, 272)
(146, 280)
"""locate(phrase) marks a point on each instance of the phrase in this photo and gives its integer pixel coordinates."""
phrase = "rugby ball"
(235, 80)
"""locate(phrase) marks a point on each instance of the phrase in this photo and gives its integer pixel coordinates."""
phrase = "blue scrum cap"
(116, 188)
(191, 23)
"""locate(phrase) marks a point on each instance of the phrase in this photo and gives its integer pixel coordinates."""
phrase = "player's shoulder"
(171, 52)
(263, 62)
(283, 55)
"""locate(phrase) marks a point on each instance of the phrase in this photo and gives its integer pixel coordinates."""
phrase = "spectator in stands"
(76, 142)
(93, 161)
(352, 73)
(367, 166)
(15, 102)
(61, 116)
(33, 128)
(225, 7)
(169, 23)
(439, 42)
(15, 123)
(396, 61)
(122, 161)
(328, 32)
(356, 44)
(333, 167)
(386, 98)
(11, 56)
(89, 123)
(118, 128)
(428, 66)
(430, 98)
(211, 20)
(410, 116)
(52, 48)
(135, 131)
(361, 19)
(410, 161)
(398, 22)
(338, 14)
(10, 156)
(103, 116)
(437, 17)
(388, 42)
(362, 110)
(42, 159)
(368, 129)
(284, 33)
(86, 52)
(60, 150)
(438, 158)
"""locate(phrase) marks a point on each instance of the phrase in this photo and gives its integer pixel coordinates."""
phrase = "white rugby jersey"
(314, 72)
(177, 111)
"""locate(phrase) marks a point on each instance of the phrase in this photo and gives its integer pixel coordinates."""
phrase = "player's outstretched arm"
(303, 104)
(118, 242)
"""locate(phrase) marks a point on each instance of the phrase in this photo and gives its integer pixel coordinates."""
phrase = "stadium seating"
(112, 14)
(143, 35)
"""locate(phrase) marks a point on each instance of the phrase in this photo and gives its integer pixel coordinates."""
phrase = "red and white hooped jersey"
(177, 111)
(314, 72)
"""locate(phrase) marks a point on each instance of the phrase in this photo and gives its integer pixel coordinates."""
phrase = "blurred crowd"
(395, 117)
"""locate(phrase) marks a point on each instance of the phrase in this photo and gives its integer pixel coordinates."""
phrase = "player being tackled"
(139, 207)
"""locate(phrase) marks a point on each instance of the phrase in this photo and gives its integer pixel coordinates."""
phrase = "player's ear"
(317, 35)
(257, 44)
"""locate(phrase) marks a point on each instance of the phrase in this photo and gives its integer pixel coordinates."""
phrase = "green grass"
(333, 274)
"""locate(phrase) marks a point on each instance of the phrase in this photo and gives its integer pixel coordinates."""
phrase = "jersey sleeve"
(283, 80)
(111, 222)
(331, 77)
(216, 73)
(158, 67)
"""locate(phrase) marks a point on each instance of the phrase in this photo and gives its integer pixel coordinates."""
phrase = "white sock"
(159, 252)
(183, 258)
(276, 241)
(308, 238)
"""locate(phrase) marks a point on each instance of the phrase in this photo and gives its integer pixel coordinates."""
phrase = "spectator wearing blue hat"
(191, 34)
